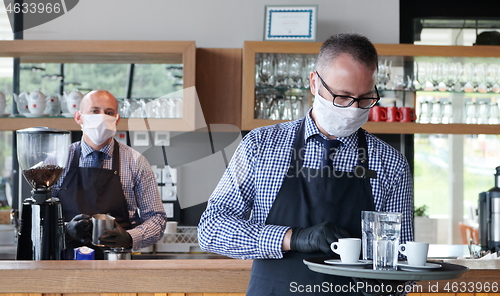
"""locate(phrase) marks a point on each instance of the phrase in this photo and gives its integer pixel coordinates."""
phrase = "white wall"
(220, 23)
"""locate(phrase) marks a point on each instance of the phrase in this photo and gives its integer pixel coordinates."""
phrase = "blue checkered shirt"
(234, 222)
(145, 207)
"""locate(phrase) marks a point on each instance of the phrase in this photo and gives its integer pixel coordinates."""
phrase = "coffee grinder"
(489, 216)
(43, 154)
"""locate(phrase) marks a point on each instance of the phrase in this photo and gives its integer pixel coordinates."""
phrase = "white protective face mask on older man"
(99, 127)
(338, 122)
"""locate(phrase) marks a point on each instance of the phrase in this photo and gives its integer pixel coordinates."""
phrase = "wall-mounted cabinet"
(113, 52)
(260, 91)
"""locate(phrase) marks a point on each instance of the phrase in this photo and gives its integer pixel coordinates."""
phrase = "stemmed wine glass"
(309, 65)
(295, 70)
(266, 69)
(281, 69)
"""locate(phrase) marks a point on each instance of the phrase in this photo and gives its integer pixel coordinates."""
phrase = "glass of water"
(367, 228)
(387, 233)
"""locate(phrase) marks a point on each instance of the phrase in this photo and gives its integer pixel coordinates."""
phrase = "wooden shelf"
(126, 52)
(93, 51)
(397, 52)
(125, 124)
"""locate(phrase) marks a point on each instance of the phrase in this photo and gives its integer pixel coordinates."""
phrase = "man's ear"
(117, 119)
(312, 82)
(78, 117)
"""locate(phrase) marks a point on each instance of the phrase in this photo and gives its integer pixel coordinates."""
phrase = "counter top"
(125, 276)
(167, 276)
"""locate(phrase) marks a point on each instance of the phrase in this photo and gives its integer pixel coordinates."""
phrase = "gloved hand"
(383, 287)
(80, 228)
(116, 238)
(316, 238)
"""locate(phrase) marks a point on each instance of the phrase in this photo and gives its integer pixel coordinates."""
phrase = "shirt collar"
(86, 149)
(350, 141)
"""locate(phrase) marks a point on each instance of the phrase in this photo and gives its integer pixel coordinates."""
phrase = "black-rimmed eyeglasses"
(347, 101)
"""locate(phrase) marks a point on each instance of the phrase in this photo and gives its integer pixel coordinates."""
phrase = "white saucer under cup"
(348, 249)
(415, 252)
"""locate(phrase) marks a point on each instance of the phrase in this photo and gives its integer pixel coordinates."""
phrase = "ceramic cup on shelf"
(407, 114)
(393, 114)
(377, 113)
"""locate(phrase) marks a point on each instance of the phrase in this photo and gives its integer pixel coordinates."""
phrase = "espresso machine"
(489, 216)
(43, 154)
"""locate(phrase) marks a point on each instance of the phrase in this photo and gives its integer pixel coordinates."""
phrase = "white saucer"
(35, 115)
(404, 266)
(67, 114)
(338, 262)
(4, 114)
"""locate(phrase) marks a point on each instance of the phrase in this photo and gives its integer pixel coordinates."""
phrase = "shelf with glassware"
(268, 95)
(113, 52)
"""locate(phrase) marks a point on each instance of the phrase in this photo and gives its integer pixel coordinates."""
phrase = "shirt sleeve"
(401, 199)
(151, 212)
(227, 226)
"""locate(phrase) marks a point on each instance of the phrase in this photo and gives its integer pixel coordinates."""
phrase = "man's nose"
(355, 104)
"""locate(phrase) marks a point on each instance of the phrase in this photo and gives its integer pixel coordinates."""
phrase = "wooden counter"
(178, 277)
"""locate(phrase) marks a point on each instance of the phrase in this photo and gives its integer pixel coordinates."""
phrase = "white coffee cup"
(348, 249)
(415, 252)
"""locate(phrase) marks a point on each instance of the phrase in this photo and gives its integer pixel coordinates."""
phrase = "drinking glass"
(297, 107)
(425, 112)
(451, 73)
(471, 113)
(287, 108)
(308, 67)
(274, 111)
(494, 113)
(483, 112)
(482, 73)
(437, 113)
(295, 70)
(472, 78)
(266, 68)
(387, 233)
(367, 233)
(384, 74)
(281, 69)
(447, 113)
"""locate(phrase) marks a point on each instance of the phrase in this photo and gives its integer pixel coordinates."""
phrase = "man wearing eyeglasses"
(292, 189)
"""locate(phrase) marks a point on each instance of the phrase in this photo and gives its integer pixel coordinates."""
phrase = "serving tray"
(446, 272)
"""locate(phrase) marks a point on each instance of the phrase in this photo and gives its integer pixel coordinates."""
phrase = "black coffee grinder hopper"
(43, 154)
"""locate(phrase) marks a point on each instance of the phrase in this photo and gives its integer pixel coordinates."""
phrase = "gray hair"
(359, 47)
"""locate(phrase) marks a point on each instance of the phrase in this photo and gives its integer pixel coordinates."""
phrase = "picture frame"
(290, 22)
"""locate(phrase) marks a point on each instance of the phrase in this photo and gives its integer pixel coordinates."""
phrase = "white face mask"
(338, 122)
(99, 127)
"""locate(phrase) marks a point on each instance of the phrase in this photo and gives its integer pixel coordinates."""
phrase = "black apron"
(93, 191)
(308, 197)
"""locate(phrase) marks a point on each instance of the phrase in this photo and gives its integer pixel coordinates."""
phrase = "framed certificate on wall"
(290, 23)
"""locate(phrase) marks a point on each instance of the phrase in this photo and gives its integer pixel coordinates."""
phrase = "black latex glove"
(316, 238)
(80, 228)
(116, 238)
(383, 287)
